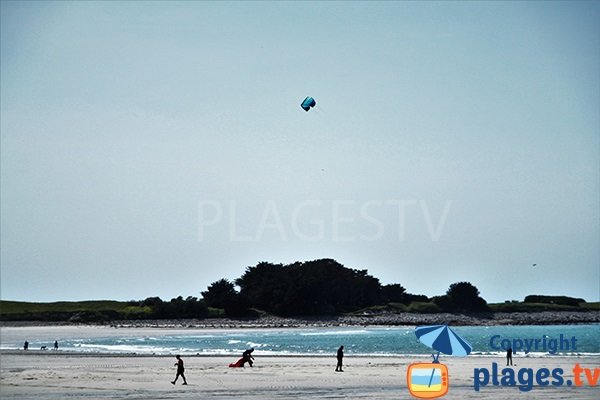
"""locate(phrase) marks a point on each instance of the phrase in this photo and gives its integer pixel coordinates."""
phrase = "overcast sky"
(149, 149)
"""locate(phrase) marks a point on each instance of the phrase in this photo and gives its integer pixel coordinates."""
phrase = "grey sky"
(149, 149)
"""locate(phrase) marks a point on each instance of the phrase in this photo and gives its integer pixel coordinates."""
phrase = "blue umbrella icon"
(444, 340)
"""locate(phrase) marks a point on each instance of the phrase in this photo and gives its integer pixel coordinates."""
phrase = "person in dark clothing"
(247, 356)
(340, 357)
(26, 345)
(56, 345)
(509, 354)
(180, 370)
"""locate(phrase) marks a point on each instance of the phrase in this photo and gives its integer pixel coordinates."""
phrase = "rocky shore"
(379, 319)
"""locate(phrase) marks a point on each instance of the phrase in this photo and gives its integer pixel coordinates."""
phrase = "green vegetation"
(82, 311)
(537, 307)
(18, 307)
(320, 287)
(98, 311)
(562, 300)
(590, 306)
(423, 307)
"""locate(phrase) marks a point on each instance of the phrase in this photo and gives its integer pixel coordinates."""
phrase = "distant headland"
(313, 293)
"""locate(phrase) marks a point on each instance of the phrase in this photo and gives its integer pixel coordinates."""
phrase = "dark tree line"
(323, 287)
(191, 307)
(562, 300)
(309, 288)
(319, 287)
(461, 297)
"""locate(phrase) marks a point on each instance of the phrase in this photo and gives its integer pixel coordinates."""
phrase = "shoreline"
(420, 357)
(382, 319)
(106, 341)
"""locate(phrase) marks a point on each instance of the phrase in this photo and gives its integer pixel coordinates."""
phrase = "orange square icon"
(427, 380)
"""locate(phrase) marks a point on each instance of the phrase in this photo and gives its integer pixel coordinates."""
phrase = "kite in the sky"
(308, 103)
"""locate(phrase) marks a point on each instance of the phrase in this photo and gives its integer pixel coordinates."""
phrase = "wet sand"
(56, 375)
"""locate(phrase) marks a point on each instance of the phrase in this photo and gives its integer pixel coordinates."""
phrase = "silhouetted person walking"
(25, 345)
(180, 370)
(509, 354)
(340, 358)
(56, 345)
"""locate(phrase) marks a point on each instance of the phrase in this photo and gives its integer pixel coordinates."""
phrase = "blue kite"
(308, 103)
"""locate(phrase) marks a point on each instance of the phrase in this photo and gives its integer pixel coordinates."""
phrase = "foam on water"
(335, 332)
(359, 341)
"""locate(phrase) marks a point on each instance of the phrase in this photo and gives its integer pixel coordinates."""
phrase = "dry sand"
(57, 375)
(52, 375)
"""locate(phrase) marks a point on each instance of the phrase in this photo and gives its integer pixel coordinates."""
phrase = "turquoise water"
(385, 341)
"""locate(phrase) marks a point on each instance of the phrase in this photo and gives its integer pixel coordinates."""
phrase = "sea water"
(380, 341)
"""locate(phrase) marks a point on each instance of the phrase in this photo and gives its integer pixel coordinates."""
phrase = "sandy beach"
(57, 375)
(38, 375)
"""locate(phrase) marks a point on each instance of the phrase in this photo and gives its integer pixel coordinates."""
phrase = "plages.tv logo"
(525, 378)
(431, 380)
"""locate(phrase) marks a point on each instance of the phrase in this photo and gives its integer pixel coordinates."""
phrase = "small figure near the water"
(56, 345)
(247, 356)
(25, 345)
(180, 369)
(340, 358)
(43, 348)
(509, 354)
